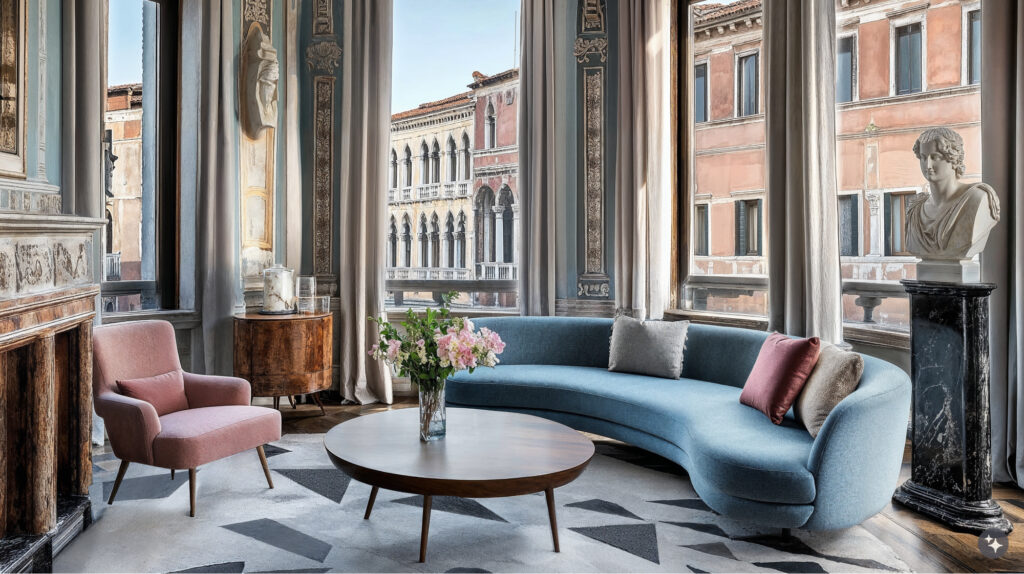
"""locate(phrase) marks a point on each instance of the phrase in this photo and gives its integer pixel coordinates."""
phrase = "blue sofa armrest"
(857, 455)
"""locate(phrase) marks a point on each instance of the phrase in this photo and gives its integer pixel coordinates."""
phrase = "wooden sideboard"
(284, 355)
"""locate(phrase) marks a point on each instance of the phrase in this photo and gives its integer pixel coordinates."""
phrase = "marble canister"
(278, 290)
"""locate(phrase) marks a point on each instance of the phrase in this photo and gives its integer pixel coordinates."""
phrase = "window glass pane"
(129, 156)
(727, 271)
(700, 93)
(456, 218)
(844, 70)
(875, 161)
(974, 46)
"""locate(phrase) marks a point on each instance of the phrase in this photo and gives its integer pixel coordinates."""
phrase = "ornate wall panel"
(323, 172)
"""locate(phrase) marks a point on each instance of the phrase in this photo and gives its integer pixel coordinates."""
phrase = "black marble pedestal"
(951, 466)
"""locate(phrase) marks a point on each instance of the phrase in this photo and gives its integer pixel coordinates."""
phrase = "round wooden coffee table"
(485, 454)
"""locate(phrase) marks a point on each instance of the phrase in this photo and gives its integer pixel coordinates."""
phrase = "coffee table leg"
(369, 505)
(550, 495)
(427, 499)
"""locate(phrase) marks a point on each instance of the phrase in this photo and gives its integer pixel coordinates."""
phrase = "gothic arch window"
(435, 163)
(435, 242)
(484, 208)
(424, 247)
(424, 164)
(406, 242)
(453, 160)
(460, 241)
(449, 240)
(408, 168)
(394, 169)
(490, 127)
(465, 156)
(393, 243)
(505, 226)
(110, 232)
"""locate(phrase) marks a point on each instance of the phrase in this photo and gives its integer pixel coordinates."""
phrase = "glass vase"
(432, 415)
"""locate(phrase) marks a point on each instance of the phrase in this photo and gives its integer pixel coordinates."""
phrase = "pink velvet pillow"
(165, 392)
(781, 369)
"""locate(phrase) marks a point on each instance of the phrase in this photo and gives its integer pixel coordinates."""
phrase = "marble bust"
(949, 224)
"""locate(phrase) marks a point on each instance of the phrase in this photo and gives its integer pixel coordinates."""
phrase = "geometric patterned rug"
(630, 511)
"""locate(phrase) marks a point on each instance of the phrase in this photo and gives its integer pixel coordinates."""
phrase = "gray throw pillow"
(652, 348)
(836, 375)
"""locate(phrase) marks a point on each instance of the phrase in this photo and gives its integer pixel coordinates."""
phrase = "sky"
(439, 43)
(124, 46)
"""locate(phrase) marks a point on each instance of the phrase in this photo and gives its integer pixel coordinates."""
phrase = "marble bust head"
(948, 224)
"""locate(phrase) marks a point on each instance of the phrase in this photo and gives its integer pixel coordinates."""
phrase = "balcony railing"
(463, 188)
(430, 273)
(112, 267)
(406, 193)
(391, 195)
(499, 271)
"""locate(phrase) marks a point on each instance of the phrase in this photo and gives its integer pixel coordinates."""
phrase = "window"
(848, 228)
(490, 128)
(846, 65)
(453, 161)
(724, 163)
(748, 227)
(406, 242)
(974, 47)
(908, 59)
(465, 157)
(701, 230)
(435, 164)
(747, 74)
(394, 169)
(407, 164)
(424, 164)
(393, 244)
(140, 157)
(896, 205)
(700, 92)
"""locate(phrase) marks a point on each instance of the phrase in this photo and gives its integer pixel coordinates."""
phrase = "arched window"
(435, 242)
(408, 168)
(465, 157)
(460, 241)
(393, 243)
(424, 247)
(490, 128)
(435, 164)
(110, 232)
(424, 164)
(394, 169)
(453, 160)
(507, 239)
(449, 241)
(484, 208)
(406, 242)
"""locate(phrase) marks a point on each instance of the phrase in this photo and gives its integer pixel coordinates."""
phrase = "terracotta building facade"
(901, 67)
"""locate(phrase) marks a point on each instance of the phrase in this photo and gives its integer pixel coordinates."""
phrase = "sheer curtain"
(217, 283)
(362, 201)
(537, 158)
(1002, 263)
(804, 281)
(643, 159)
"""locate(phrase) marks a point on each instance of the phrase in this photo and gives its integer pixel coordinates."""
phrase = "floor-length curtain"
(643, 159)
(217, 283)
(1002, 262)
(537, 158)
(803, 234)
(362, 200)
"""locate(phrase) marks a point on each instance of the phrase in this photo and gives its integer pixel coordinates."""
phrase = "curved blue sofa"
(740, 464)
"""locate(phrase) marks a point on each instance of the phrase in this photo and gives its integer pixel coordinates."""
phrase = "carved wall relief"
(260, 73)
(323, 19)
(323, 171)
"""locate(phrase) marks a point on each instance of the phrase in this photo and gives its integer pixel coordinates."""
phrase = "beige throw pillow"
(653, 348)
(836, 375)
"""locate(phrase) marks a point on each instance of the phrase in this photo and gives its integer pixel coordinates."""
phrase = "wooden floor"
(925, 545)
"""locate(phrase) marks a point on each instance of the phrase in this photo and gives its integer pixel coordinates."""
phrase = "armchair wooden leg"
(316, 399)
(117, 482)
(291, 401)
(266, 469)
(172, 474)
(192, 492)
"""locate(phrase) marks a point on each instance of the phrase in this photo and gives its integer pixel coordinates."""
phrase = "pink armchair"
(218, 422)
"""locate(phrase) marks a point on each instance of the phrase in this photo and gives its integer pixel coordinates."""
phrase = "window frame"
(887, 213)
(165, 287)
(965, 48)
(854, 65)
(738, 58)
(706, 62)
(705, 222)
(741, 227)
(916, 17)
(858, 211)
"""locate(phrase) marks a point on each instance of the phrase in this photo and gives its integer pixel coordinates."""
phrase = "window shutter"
(707, 230)
(741, 228)
(760, 233)
(855, 225)
(887, 217)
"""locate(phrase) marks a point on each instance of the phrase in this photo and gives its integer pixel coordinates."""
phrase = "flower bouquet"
(429, 349)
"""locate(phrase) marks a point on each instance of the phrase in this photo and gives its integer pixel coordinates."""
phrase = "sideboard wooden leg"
(320, 403)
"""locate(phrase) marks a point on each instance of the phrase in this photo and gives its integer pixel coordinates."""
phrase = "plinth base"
(35, 553)
(968, 516)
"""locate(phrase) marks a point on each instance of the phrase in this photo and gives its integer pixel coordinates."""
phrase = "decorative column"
(592, 42)
(877, 226)
(951, 466)
(499, 233)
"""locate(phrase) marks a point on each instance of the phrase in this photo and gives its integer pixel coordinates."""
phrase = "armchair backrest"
(132, 350)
